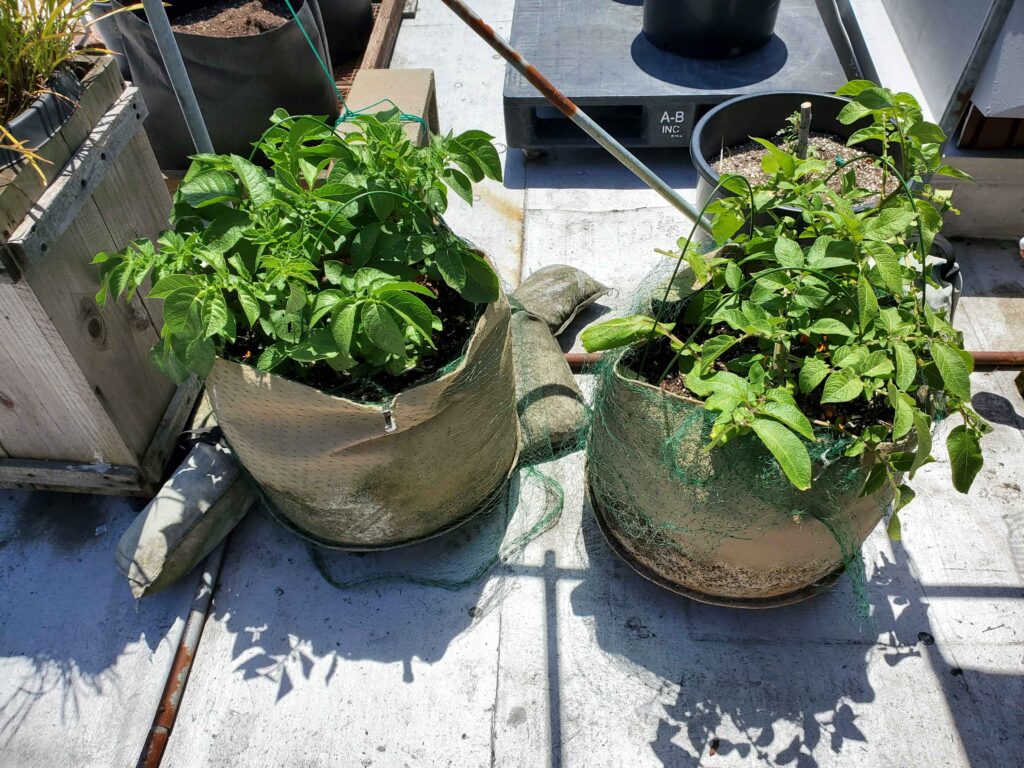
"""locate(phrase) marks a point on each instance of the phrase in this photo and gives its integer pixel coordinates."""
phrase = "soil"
(458, 320)
(233, 18)
(745, 160)
(852, 417)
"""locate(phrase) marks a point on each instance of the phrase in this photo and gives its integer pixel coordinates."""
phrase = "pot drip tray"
(595, 52)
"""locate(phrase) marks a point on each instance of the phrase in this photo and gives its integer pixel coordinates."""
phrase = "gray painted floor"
(561, 656)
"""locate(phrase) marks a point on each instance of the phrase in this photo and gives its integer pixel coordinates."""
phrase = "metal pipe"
(574, 113)
(1000, 359)
(579, 361)
(175, 66)
(181, 665)
(992, 27)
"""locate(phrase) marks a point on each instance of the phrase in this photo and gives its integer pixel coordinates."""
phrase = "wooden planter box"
(81, 406)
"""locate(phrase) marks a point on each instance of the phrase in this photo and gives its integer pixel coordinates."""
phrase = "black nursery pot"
(238, 81)
(710, 29)
(734, 121)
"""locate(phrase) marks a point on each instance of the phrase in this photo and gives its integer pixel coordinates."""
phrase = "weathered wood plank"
(46, 408)
(57, 207)
(135, 177)
(154, 463)
(54, 247)
(381, 44)
(109, 348)
(80, 478)
(21, 187)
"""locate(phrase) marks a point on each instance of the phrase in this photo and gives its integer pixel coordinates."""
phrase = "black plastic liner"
(239, 81)
(710, 29)
(44, 116)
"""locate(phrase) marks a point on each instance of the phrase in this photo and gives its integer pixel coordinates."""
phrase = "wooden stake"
(805, 130)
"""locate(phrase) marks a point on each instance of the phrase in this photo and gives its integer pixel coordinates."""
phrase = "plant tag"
(389, 419)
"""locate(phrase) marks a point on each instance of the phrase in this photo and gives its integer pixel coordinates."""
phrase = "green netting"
(724, 525)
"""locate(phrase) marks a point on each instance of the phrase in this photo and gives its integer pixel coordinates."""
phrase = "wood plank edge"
(183, 401)
(108, 479)
(381, 45)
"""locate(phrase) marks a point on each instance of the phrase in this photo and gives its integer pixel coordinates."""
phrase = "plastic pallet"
(596, 53)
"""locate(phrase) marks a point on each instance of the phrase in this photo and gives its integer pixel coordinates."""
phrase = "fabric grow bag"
(348, 475)
(724, 526)
(238, 81)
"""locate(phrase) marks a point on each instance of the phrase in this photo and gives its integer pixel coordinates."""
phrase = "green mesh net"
(724, 525)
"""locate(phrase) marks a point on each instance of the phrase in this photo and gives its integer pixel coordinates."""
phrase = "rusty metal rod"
(578, 361)
(181, 664)
(580, 118)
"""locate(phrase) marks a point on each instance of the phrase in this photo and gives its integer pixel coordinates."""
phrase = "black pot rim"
(703, 167)
(59, 103)
(179, 33)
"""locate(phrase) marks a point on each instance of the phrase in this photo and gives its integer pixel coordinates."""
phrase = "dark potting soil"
(458, 320)
(852, 417)
(745, 160)
(233, 18)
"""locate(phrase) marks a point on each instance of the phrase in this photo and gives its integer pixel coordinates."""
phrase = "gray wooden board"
(596, 53)
(82, 664)
(58, 206)
(49, 411)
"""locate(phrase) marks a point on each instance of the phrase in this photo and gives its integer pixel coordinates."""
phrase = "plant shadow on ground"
(788, 685)
(291, 605)
(69, 625)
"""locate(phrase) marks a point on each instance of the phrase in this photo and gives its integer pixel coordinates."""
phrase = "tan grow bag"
(724, 526)
(331, 468)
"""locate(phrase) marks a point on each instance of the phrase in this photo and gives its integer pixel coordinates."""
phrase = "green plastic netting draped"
(724, 526)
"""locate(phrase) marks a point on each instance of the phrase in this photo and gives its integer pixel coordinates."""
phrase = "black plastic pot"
(239, 81)
(348, 24)
(734, 121)
(44, 116)
(710, 29)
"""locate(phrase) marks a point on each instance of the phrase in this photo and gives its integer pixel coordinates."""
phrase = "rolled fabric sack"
(557, 293)
(361, 476)
(205, 498)
(552, 412)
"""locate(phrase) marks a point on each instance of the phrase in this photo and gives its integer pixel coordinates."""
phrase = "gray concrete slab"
(561, 656)
(601, 668)
(296, 669)
(82, 664)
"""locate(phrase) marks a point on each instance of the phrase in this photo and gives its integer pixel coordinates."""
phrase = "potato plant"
(816, 319)
(334, 255)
